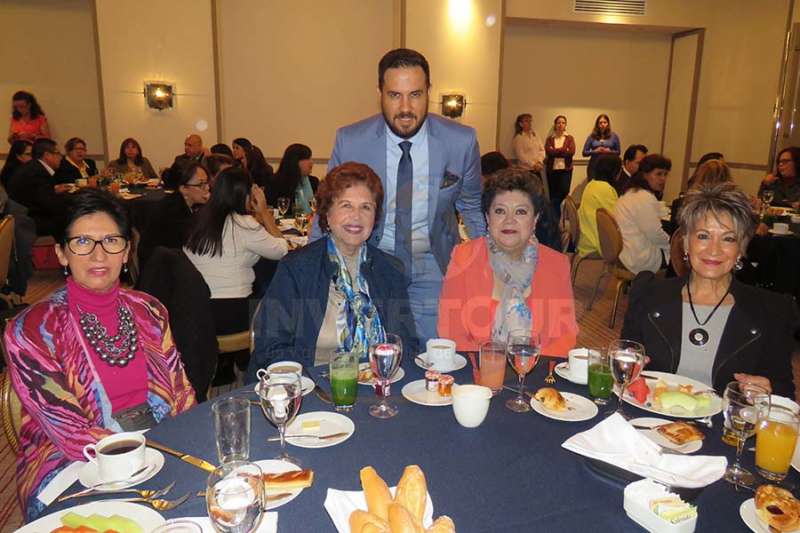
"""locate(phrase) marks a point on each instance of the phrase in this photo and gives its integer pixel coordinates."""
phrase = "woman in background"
(599, 193)
(559, 147)
(528, 148)
(28, 121)
(251, 158)
(601, 141)
(293, 180)
(783, 182)
(75, 164)
(131, 160)
(20, 153)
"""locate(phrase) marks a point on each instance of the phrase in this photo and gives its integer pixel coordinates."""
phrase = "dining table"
(508, 474)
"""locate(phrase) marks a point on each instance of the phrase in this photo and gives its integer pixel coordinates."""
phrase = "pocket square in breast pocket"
(449, 179)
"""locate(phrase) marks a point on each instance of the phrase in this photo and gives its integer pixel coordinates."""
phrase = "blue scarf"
(303, 194)
(358, 324)
(516, 276)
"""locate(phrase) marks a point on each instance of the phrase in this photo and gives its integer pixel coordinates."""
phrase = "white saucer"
(329, 423)
(748, 513)
(780, 233)
(459, 362)
(562, 371)
(152, 458)
(147, 518)
(275, 466)
(655, 436)
(581, 409)
(306, 383)
(417, 393)
(397, 376)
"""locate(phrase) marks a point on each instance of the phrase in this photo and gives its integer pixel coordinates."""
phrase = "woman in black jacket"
(709, 326)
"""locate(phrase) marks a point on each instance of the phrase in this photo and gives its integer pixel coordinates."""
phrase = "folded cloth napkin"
(616, 442)
(269, 523)
(340, 503)
(61, 482)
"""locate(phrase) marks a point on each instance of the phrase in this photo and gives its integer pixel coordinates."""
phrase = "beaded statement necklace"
(118, 350)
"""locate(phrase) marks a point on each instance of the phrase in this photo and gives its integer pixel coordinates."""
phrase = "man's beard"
(404, 135)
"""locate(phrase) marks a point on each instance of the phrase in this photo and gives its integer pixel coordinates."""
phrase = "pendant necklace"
(699, 336)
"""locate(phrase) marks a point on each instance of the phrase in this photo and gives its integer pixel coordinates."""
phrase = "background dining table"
(509, 474)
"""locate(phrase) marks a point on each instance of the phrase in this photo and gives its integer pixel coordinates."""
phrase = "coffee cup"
(440, 353)
(117, 456)
(281, 366)
(795, 219)
(471, 404)
(785, 402)
(579, 365)
(780, 227)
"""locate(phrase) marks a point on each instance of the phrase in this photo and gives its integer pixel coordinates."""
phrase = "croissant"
(551, 399)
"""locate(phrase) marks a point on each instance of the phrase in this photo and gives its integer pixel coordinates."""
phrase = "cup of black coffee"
(117, 456)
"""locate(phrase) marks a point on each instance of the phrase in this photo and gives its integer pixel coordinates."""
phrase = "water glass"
(492, 366)
(776, 437)
(281, 394)
(235, 497)
(344, 380)
(626, 359)
(232, 429)
(523, 349)
(743, 404)
(283, 206)
(384, 358)
(601, 382)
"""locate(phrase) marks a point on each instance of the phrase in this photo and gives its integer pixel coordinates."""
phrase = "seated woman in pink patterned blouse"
(78, 383)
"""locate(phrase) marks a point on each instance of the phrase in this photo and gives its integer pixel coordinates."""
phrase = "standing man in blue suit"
(429, 166)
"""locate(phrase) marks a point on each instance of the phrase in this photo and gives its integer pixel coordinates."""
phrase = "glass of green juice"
(601, 383)
(344, 380)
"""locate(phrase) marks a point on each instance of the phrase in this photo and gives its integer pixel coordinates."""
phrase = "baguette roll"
(412, 491)
(376, 492)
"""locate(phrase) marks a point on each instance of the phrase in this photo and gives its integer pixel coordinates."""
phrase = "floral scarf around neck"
(515, 275)
(358, 324)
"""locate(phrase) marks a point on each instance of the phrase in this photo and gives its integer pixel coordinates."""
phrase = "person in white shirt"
(231, 233)
(638, 213)
(528, 147)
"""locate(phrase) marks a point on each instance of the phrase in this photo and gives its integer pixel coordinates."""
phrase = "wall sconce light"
(159, 95)
(453, 105)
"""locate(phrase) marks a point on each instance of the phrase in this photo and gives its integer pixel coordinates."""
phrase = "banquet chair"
(10, 407)
(676, 254)
(569, 213)
(6, 252)
(610, 248)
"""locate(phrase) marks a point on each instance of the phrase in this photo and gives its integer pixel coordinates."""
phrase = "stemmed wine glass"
(522, 351)
(626, 359)
(281, 394)
(743, 405)
(384, 358)
(235, 497)
(312, 204)
(283, 206)
(767, 196)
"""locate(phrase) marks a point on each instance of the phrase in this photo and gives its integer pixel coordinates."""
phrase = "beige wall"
(622, 74)
(740, 67)
(288, 74)
(47, 47)
(156, 40)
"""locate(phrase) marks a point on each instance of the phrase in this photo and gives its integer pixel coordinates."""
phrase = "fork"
(144, 493)
(550, 379)
(160, 505)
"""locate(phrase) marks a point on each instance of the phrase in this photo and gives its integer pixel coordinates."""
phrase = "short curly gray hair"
(721, 198)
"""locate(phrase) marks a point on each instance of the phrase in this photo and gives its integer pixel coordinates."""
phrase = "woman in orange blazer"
(507, 280)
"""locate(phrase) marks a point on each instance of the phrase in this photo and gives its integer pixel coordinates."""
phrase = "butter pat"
(310, 425)
(653, 507)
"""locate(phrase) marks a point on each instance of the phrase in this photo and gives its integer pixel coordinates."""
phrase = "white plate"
(674, 380)
(397, 376)
(147, 518)
(329, 423)
(417, 393)
(655, 436)
(459, 362)
(581, 408)
(274, 466)
(748, 513)
(562, 370)
(306, 383)
(152, 458)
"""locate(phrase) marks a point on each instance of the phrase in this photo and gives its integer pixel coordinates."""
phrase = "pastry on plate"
(680, 433)
(777, 508)
(551, 399)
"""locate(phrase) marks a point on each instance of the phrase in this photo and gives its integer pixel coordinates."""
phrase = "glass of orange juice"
(776, 437)
(492, 365)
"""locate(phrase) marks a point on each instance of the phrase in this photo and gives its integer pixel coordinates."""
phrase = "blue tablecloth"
(509, 474)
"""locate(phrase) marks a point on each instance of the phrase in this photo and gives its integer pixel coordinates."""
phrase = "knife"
(191, 459)
(321, 394)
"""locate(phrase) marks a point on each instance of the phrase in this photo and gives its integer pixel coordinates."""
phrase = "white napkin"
(616, 442)
(340, 503)
(61, 482)
(297, 239)
(269, 523)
